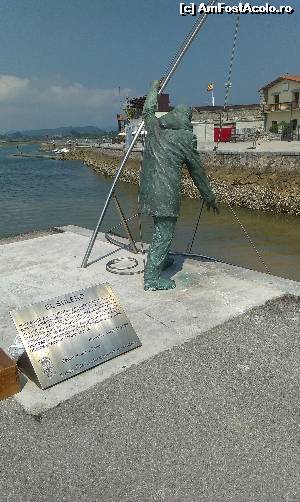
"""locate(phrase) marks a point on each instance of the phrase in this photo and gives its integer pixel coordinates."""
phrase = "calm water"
(38, 194)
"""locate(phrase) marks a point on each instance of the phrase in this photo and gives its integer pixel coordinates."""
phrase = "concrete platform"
(208, 294)
(205, 411)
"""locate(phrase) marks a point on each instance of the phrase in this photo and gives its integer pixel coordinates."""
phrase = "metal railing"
(282, 107)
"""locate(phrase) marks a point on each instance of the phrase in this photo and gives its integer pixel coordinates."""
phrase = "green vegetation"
(274, 128)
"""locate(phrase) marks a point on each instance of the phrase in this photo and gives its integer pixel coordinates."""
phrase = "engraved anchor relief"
(47, 366)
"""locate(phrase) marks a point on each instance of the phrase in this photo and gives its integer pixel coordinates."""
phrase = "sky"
(62, 61)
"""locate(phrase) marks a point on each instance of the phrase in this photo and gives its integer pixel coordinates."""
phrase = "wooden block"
(9, 376)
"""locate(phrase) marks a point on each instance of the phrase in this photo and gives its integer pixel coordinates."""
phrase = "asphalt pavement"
(215, 419)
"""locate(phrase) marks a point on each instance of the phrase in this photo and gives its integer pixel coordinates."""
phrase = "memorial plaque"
(72, 333)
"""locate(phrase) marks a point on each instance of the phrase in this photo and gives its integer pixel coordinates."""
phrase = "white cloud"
(11, 87)
(76, 95)
(32, 103)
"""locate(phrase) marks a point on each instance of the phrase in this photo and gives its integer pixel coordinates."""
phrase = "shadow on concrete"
(176, 267)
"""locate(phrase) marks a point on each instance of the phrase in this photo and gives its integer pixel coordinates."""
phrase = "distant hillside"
(73, 131)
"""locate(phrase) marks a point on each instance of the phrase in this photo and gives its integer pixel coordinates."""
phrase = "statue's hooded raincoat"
(170, 142)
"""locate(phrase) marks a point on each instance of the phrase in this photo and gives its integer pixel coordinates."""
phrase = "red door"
(224, 133)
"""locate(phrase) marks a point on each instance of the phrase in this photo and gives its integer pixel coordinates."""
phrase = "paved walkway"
(275, 146)
(280, 147)
(204, 411)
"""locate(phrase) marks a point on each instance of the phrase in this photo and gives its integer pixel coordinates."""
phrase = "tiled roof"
(287, 76)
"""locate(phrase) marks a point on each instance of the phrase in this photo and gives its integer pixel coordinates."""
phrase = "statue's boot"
(158, 258)
(161, 284)
(153, 279)
(168, 262)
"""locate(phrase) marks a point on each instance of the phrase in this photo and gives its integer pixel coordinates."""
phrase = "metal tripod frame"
(174, 64)
(125, 225)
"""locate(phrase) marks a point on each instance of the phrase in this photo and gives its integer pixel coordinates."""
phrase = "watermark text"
(192, 9)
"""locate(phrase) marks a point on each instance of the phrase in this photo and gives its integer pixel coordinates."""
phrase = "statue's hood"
(178, 118)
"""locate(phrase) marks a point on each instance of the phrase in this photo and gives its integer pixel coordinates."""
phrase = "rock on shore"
(258, 186)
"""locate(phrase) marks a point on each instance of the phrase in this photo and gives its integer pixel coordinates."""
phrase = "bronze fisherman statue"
(170, 142)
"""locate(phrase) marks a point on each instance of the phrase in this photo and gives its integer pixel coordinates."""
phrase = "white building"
(281, 102)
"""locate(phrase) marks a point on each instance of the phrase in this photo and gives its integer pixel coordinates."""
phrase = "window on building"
(276, 101)
(296, 97)
(274, 126)
(294, 124)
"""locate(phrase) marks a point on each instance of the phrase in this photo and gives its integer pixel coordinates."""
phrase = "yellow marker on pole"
(210, 88)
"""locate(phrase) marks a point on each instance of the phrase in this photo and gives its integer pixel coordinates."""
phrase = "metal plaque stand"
(67, 335)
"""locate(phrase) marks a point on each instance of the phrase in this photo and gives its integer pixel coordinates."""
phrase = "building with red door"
(236, 121)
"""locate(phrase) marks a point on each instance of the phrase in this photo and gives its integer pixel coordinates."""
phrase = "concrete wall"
(265, 162)
(203, 132)
(232, 115)
(247, 124)
(255, 161)
(257, 180)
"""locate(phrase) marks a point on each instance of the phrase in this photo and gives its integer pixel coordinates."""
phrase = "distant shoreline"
(15, 143)
(249, 180)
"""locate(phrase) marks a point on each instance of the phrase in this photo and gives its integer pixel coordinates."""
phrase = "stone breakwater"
(259, 181)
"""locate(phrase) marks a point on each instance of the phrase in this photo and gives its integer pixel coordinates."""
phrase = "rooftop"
(287, 76)
(210, 108)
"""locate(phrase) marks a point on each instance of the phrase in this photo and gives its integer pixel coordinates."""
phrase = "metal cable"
(249, 239)
(228, 87)
(120, 224)
(228, 83)
(237, 23)
(110, 266)
(190, 246)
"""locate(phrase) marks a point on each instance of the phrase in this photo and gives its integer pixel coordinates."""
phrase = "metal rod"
(181, 52)
(126, 226)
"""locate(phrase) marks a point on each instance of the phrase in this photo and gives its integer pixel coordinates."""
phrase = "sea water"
(37, 194)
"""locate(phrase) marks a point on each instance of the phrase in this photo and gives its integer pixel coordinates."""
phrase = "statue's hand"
(214, 206)
(157, 83)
